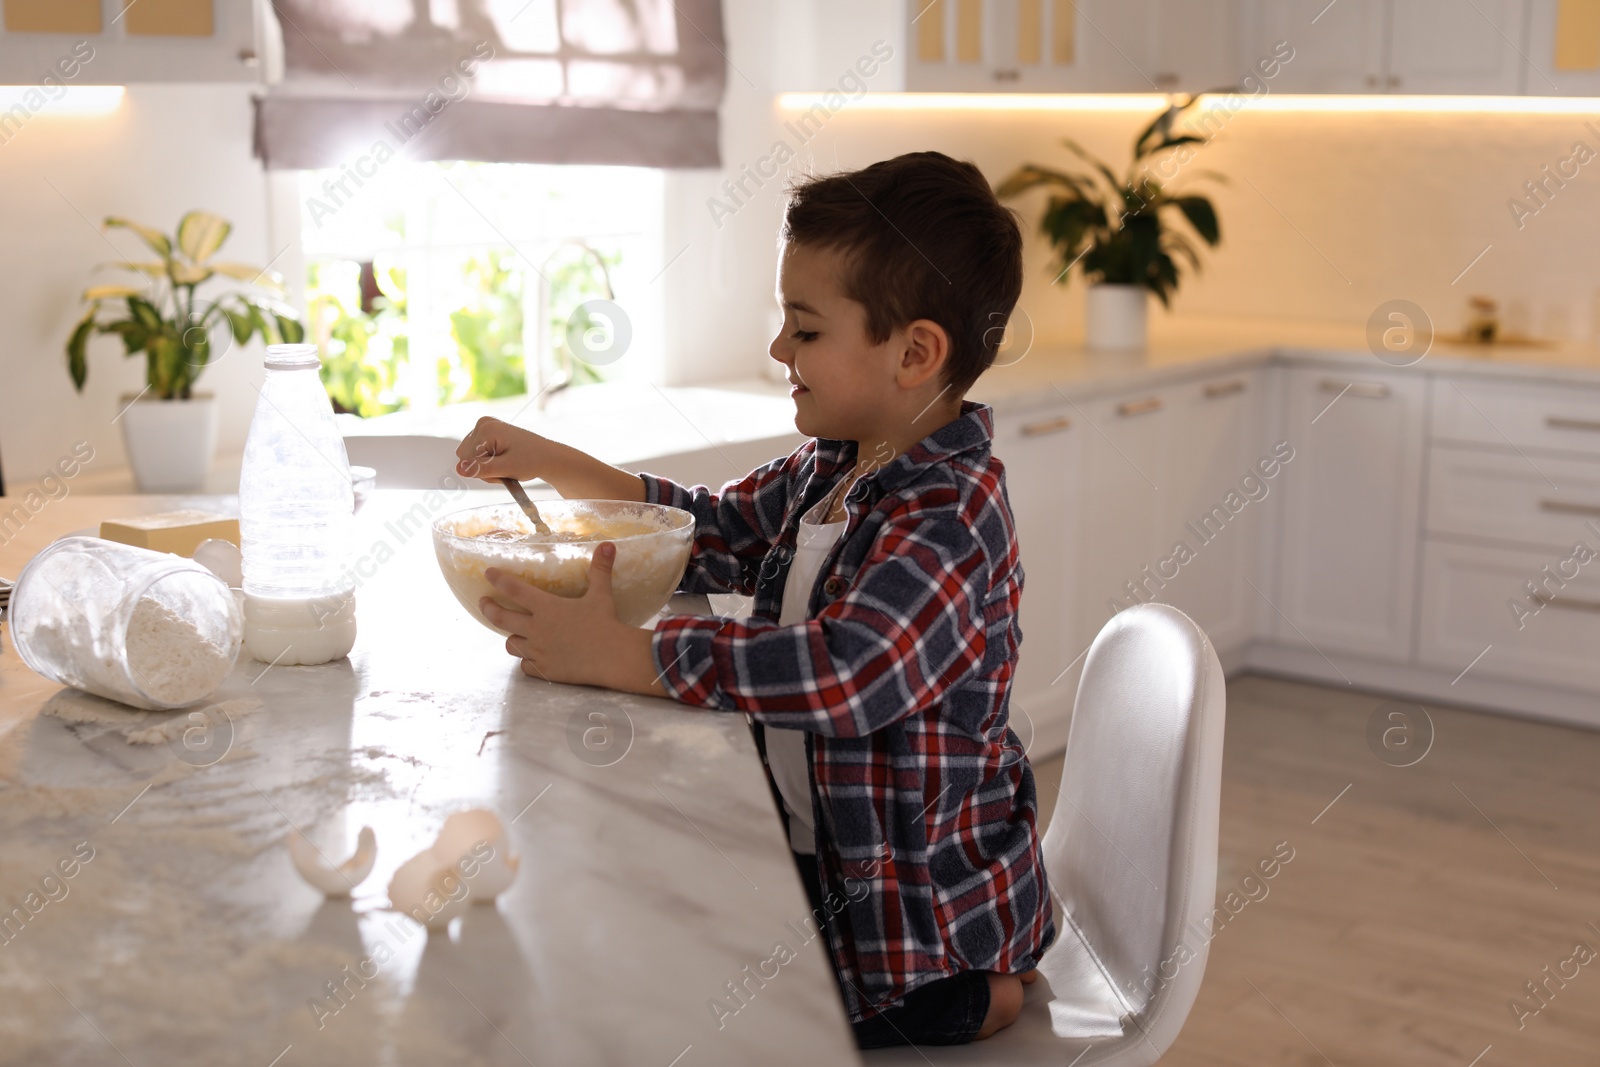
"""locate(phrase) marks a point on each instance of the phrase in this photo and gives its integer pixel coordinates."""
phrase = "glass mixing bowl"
(653, 542)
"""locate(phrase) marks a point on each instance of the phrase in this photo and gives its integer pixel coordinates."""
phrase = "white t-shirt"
(786, 749)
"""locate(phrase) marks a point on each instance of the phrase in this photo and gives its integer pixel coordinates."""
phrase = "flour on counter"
(173, 728)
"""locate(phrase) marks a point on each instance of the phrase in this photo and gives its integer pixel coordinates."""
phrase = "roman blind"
(624, 82)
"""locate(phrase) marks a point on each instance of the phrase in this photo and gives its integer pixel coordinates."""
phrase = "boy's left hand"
(578, 640)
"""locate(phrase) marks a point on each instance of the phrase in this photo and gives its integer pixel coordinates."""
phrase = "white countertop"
(631, 423)
(646, 885)
(628, 423)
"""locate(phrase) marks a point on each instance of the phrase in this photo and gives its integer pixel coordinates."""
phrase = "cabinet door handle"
(1044, 426)
(1374, 390)
(1557, 422)
(1568, 603)
(1564, 507)
(1141, 407)
(1216, 389)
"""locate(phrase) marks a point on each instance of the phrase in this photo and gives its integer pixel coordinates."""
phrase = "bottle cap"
(285, 357)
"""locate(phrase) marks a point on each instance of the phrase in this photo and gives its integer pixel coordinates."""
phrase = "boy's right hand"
(496, 449)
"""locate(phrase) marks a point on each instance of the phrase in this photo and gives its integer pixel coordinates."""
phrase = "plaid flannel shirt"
(924, 805)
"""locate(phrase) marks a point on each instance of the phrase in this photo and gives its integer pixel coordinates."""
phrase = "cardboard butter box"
(179, 532)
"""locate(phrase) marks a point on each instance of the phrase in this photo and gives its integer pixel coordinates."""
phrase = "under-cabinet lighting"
(60, 100)
(1145, 102)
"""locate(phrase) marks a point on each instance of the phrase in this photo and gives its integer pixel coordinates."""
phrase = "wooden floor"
(1416, 907)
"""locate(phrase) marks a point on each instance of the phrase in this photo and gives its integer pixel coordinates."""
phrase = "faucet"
(536, 372)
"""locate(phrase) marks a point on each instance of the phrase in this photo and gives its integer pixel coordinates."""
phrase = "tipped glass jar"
(149, 629)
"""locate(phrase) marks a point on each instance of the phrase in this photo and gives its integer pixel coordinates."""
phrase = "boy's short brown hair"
(923, 238)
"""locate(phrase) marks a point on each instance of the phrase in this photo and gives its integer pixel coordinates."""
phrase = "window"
(437, 283)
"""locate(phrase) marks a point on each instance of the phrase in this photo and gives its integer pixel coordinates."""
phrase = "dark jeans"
(948, 1011)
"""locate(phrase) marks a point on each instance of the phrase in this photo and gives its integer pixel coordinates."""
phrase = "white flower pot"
(1116, 318)
(170, 442)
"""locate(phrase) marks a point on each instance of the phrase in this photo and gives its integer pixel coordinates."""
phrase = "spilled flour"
(143, 727)
(210, 715)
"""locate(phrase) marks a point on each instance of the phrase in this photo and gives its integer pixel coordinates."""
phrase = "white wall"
(1326, 215)
(1398, 203)
(165, 151)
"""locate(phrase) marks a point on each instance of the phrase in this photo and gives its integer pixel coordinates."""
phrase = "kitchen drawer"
(1467, 598)
(1503, 496)
(1508, 414)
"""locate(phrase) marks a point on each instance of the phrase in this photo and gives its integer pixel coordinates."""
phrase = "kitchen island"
(657, 918)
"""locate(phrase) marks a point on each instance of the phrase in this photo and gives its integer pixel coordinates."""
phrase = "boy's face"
(852, 388)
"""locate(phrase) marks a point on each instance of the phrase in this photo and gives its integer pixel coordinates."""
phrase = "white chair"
(408, 461)
(1131, 853)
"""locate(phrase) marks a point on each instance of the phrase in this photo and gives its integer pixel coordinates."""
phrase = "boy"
(882, 558)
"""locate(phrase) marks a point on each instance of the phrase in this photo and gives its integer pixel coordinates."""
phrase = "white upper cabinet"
(1336, 47)
(1563, 48)
(1448, 46)
(1110, 46)
(1196, 45)
(1493, 47)
(194, 41)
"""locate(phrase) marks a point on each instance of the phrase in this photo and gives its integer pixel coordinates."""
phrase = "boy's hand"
(496, 449)
(578, 640)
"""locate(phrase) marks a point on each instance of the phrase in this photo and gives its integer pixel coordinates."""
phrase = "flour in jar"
(171, 658)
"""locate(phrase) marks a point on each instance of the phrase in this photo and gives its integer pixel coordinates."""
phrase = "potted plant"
(169, 429)
(1118, 228)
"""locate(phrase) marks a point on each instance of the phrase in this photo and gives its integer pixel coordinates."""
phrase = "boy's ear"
(926, 350)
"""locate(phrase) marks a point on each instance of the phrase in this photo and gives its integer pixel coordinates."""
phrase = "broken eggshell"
(334, 881)
(469, 863)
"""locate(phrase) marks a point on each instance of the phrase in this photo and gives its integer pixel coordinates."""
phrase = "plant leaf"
(158, 241)
(134, 336)
(145, 313)
(108, 292)
(1160, 128)
(201, 233)
(268, 279)
(1174, 142)
(77, 351)
(291, 329)
(241, 323)
(153, 270)
(190, 273)
(1029, 176)
(1201, 215)
(1094, 161)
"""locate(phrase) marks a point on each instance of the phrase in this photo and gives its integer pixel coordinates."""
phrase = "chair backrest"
(1131, 849)
(407, 461)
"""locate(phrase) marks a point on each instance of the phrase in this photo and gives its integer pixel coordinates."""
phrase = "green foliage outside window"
(358, 322)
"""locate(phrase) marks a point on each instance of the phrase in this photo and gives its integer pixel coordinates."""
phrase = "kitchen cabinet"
(1553, 70)
(1072, 45)
(1338, 47)
(1347, 46)
(1511, 564)
(116, 56)
(1214, 503)
(1126, 488)
(1160, 466)
(1351, 499)
(1042, 451)
(1478, 611)
(1443, 46)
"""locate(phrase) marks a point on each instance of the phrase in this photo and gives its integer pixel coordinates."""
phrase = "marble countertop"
(631, 423)
(626, 423)
(654, 867)
(1189, 347)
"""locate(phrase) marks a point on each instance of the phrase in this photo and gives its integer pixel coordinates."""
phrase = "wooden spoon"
(521, 497)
